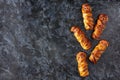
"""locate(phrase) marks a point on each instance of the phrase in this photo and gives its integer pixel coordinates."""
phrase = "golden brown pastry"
(98, 51)
(81, 37)
(87, 17)
(100, 26)
(82, 64)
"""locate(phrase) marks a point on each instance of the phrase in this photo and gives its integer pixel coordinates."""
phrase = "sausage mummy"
(87, 17)
(98, 51)
(100, 26)
(82, 64)
(81, 37)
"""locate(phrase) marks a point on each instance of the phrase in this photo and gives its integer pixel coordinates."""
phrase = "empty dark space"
(36, 42)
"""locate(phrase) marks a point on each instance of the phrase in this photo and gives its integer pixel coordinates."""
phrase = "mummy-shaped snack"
(87, 17)
(81, 37)
(98, 51)
(82, 64)
(100, 26)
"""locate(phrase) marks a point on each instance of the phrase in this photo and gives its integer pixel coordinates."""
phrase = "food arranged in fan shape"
(85, 42)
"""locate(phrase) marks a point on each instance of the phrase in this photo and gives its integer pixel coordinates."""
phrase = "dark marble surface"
(36, 42)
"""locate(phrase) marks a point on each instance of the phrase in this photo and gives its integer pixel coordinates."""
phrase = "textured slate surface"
(36, 42)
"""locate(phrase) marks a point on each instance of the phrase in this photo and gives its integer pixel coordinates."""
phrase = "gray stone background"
(36, 42)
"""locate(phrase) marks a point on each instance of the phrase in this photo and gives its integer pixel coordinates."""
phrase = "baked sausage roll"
(82, 64)
(87, 17)
(100, 26)
(98, 51)
(81, 37)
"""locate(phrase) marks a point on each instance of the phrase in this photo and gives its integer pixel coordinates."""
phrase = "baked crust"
(87, 17)
(81, 37)
(98, 51)
(82, 64)
(100, 26)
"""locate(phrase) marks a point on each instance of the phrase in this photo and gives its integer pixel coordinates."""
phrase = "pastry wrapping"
(87, 17)
(98, 51)
(82, 64)
(100, 26)
(81, 37)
